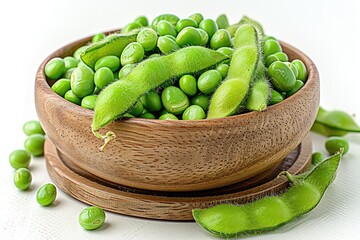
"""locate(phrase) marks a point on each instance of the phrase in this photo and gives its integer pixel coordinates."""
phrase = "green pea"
(19, 159)
(201, 100)
(70, 62)
(276, 97)
(147, 37)
(197, 17)
(168, 116)
(186, 22)
(209, 26)
(46, 194)
(61, 86)
(33, 127)
(228, 51)
(221, 38)
(148, 115)
(68, 73)
(34, 144)
(167, 45)
(142, 20)
(222, 21)
(166, 28)
(174, 100)
(55, 68)
(193, 112)
(188, 84)
(302, 72)
(153, 102)
(71, 97)
(103, 77)
(137, 110)
(333, 145)
(125, 70)
(22, 178)
(82, 81)
(130, 27)
(88, 102)
(317, 157)
(204, 37)
(209, 80)
(223, 69)
(298, 85)
(282, 77)
(111, 62)
(133, 53)
(78, 51)
(271, 46)
(91, 218)
(168, 17)
(97, 37)
(189, 36)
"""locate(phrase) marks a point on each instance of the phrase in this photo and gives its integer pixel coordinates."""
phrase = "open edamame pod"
(334, 123)
(230, 96)
(112, 45)
(269, 213)
(121, 96)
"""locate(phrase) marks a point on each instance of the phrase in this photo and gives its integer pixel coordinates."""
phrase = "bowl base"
(169, 205)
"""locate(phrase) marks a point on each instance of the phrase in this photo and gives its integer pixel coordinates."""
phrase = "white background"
(328, 31)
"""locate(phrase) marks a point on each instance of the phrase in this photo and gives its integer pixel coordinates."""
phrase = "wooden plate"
(169, 205)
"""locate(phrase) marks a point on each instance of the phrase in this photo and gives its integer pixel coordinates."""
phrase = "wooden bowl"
(178, 155)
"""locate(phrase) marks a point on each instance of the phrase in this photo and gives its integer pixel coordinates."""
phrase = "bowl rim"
(41, 81)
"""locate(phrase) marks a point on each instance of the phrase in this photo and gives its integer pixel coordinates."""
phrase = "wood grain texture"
(169, 205)
(179, 155)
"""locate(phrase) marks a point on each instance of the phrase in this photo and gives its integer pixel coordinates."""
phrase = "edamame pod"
(120, 97)
(269, 213)
(259, 95)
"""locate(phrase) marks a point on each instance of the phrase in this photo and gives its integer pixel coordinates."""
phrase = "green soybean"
(71, 97)
(33, 127)
(189, 36)
(70, 62)
(269, 213)
(22, 178)
(68, 73)
(82, 81)
(113, 45)
(61, 86)
(91, 218)
(279, 56)
(125, 70)
(193, 112)
(188, 85)
(55, 68)
(298, 85)
(46, 194)
(111, 62)
(147, 37)
(271, 46)
(282, 77)
(231, 94)
(88, 102)
(302, 72)
(166, 28)
(222, 21)
(97, 37)
(167, 45)
(142, 20)
(335, 143)
(317, 157)
(138, 109)
(173, 19)
(186, 22)
(209, 80)
(276, 97)
(221, 38)
(294, 69)
(103, 77)
(116, 100)
(19, 159)
(204, 37)
(223, 69)
(228, 51)
(197, 17)
(131, 27)
(152, 101)
(209, 26)
(174, 100)
(334, 123)
(168, 116)
(34, 144)
(201, 100)
(148, 115)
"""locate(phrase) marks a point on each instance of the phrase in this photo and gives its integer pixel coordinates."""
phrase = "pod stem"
(108, 137)
(291, 178)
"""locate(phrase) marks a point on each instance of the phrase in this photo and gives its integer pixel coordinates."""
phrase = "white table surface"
(328, 31)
